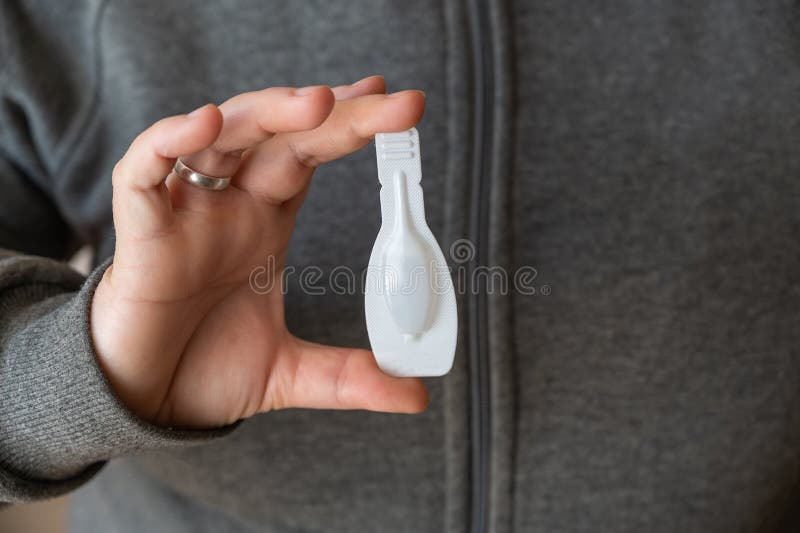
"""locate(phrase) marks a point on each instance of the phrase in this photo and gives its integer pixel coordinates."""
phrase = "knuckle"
(304, 158)
(341, 387)
(281, 385)
(276, 394)
(344, 391)
(118, 173)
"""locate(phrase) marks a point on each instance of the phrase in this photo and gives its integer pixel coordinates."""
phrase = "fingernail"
(398, 93)
(197, 111)
(303, 91)
(367, 78)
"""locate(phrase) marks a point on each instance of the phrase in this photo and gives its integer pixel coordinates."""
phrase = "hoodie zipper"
(480, 421)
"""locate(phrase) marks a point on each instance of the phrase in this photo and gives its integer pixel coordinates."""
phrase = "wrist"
(121, 333)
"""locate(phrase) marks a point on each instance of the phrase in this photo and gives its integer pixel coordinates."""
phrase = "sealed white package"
(410, 302)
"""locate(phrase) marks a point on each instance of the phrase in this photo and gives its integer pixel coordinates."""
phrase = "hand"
(181, 336)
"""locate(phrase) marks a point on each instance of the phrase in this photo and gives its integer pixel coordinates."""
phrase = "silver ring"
(198, 179)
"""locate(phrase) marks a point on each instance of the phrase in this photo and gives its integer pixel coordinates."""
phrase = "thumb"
(312, 375)
(141, 200)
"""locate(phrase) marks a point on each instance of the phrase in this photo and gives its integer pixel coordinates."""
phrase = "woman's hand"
(181, 336)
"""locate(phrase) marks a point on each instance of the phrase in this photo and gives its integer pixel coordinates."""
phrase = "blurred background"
(42, 517)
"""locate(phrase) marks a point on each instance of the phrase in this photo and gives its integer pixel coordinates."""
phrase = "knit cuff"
(59, 417)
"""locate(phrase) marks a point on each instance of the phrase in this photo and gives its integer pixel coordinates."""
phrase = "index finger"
(280, 168)
(254, 117)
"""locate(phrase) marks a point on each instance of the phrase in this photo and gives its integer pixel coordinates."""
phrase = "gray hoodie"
(639, 157)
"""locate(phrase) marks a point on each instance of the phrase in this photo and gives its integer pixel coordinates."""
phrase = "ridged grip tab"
(398, 152)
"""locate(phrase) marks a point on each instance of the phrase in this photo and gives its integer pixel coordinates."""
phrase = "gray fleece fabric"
(642, 156)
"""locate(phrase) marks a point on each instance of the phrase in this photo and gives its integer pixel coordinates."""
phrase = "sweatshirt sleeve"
(59, 418)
